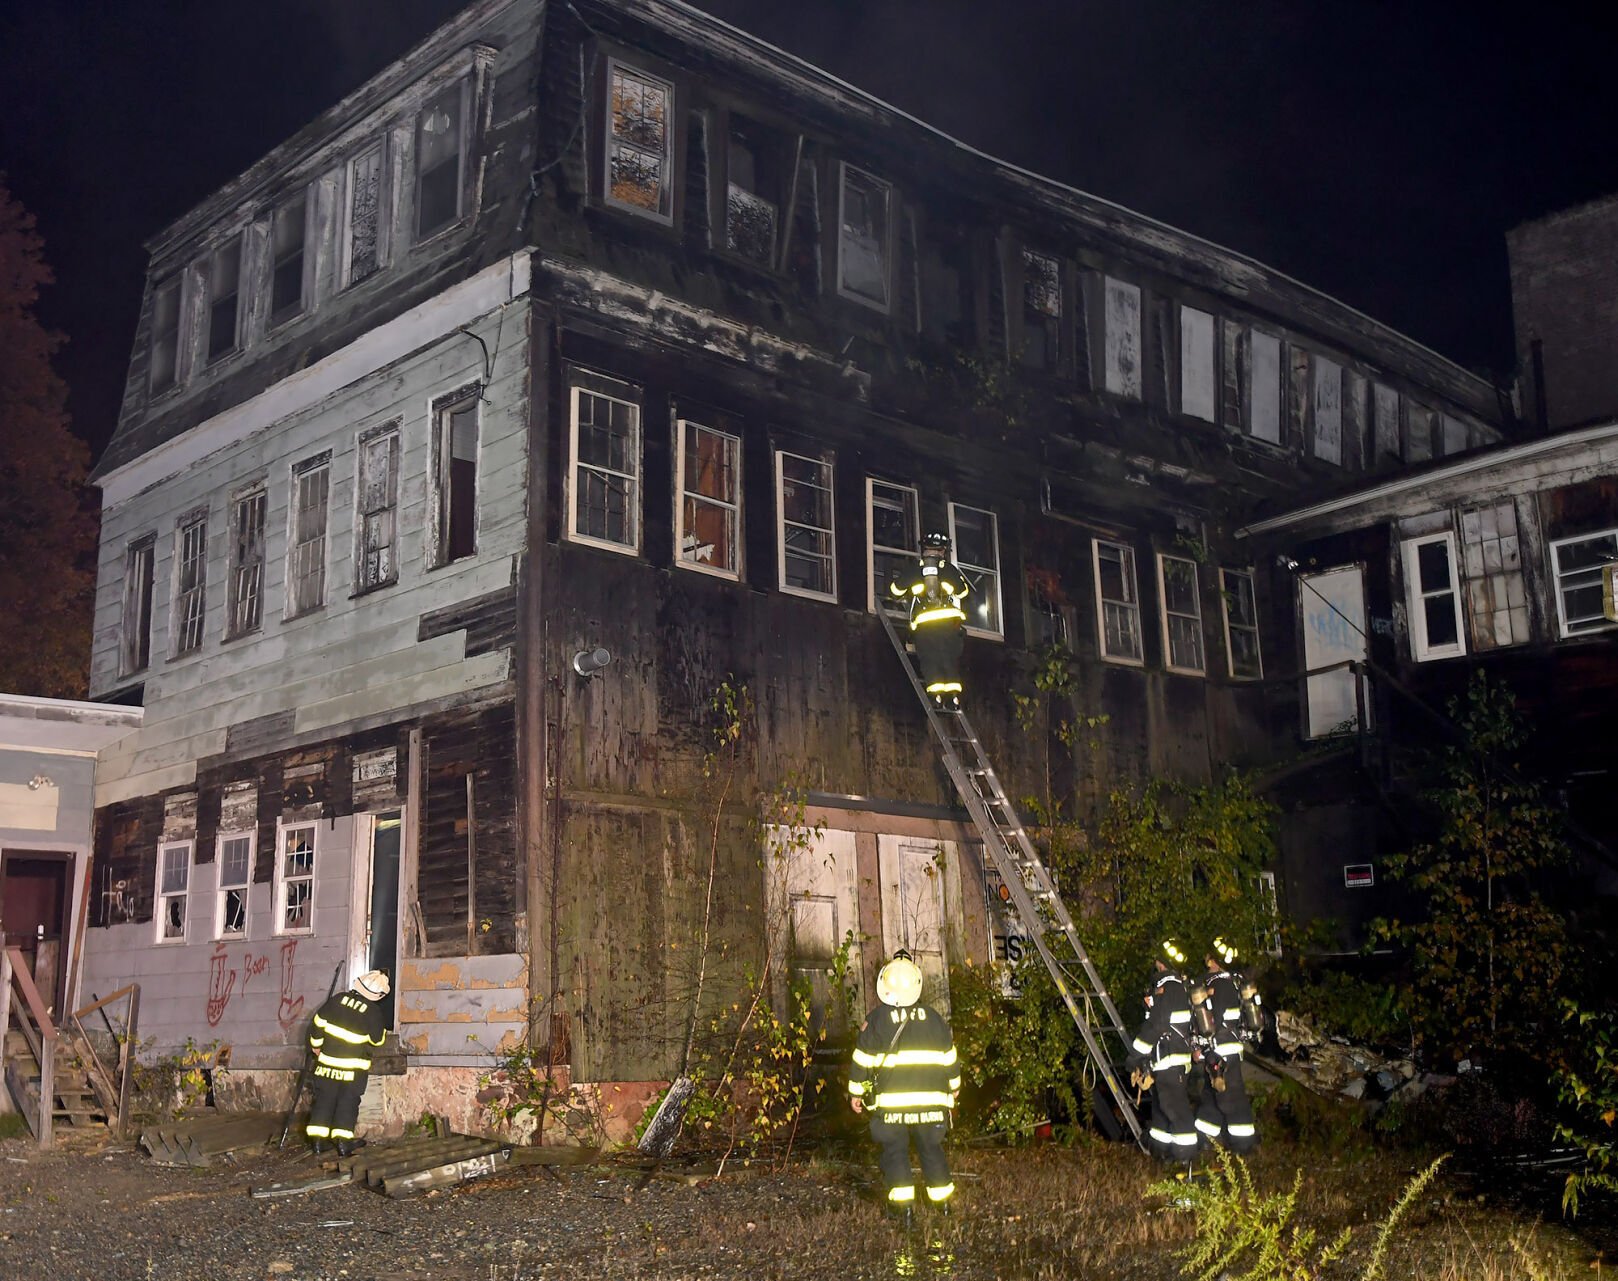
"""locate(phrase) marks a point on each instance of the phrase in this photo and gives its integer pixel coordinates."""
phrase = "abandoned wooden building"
(605, 325)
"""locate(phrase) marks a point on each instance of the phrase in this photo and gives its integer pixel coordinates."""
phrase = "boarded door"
(912, 873)
(814, 910)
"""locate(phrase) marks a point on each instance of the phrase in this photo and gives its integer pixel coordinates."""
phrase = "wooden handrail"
(106, 1000)
(41, 1038)
(25, 984)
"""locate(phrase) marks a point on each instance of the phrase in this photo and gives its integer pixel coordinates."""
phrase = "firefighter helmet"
(373, 983)
(935, 543)
(1226, 952)
(899, 981)
(1173, 952)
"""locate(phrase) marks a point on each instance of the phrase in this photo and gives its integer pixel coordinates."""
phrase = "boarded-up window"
(1236, 376)
(1354, 419)
(364, 214)
(1264, 408)
(1182, 614)
(306, 542)
(190, 582)
(640, 143)
(1197, 385)
(975, 534)
(245, 586)
(1328, 415)
(1042, 301)
(378, 500)
(287, 258)
(1491, 556)
(224, 299)
(1385, 425)
(1118, 602)
(1454, 435)
(893, 515)
(806, 535)
(1239, 603)
(865, 239)
(708, 523)
(1121, 327)
(165, 335)
(1418, 433)
(135, 644)
(440, 161)
(604, 497)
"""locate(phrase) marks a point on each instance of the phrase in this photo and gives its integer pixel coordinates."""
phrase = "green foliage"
(1020, 1050)
(1364, 1011)
(1588, 1087)
(175, 1083)
(1487, 957)
(522, 1083)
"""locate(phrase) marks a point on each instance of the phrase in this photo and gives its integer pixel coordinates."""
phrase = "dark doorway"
(382, 947)
(35, 886)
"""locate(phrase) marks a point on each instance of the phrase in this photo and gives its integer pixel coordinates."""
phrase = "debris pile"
(1331, 1065)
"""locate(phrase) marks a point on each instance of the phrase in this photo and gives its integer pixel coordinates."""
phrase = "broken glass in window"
(638, 143)
(364, 213)
(863, 245)
(246, 599)
(378, 506)
(751, 214)
(189, 598)
(438, 163)
(307, 571)
(607, 471)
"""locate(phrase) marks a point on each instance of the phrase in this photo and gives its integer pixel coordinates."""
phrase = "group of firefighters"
(905, 1072)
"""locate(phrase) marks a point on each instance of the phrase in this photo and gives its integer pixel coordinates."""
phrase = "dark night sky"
(1376, 151)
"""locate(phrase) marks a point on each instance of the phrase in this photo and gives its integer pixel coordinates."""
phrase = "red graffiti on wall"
(291, 1006)
(252, 967)
(221, 983)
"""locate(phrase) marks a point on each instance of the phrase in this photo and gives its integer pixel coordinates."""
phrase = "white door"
(814, 911)
(912, 873)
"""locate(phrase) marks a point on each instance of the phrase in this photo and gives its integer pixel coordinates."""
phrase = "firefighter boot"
(320, 1146)
(347, 1147)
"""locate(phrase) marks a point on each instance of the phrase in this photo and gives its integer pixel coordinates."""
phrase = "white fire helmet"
(899, 981)
(373, 984)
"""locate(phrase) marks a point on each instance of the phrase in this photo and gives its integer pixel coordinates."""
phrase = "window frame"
(1131, 389)
(664, 216)
(378, 143)
(234, 628)
(462, 87)
(177, 371)
(441, 476)
(390, 431)
(210, 357)
(161, 898)
(181, 596)
(885, 305)
(136, 616)
(1054, 327)
(1225, 575)
(629, 396)
(1211, 344)
(296, 607)
(1565, 631)
(733, 452)
(1132, 580)
(830, 466)
(763, 140)
(1164, 614)
(221, 890)
(877, 592)
(1421, 649)
(275, 318)
(283, 828)
(980, 572)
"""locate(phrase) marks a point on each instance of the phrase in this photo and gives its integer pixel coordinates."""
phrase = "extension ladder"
(1028, 880)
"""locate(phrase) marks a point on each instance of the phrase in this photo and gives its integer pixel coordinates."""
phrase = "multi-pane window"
(752, 211)
(1118, 602)
(173, 887)
(440, 160)
(364, 214)
(865, 218)
(707, 527)
(306, 540)
(165, 359)
(245, 585)
(377, 496)
(135, 644)
(640, 143)
(1491, 555)
(295, 879)
(975, 536)
(1121, 338)
(805, 536)
(224, 299)
(455, 478)
(1433, 592)
(1182, 614)
(190, 582)
(287, 234)
(1041, 310)
(893, 513)
(1577, 564)
(1197, 380)
(604, 498)
(235, 863)
(1240, 605)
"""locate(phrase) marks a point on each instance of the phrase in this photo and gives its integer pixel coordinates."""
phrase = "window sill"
(1197, 672)
(1120, 661)
(602, 544)
(305, 613)
(724, 575)
(984, 634)
(806, 594)
(462, 223)
(359, 593)
(245, 635)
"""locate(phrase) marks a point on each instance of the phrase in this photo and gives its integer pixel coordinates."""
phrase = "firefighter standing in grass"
(345, 1030)
(905, 1073)
(1161, 1056)
(935, 588)
(1227, 1011)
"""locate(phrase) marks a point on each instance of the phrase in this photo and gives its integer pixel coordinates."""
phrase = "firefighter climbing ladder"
(1032, 891)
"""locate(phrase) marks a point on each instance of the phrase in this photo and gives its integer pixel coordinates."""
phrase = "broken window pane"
(137, 615)
(190, 584)
(364, 213)
(455, 478)
(1120, 601)
(1182, 614)
(808, 557)
(895, 524)
(862, 259)
(751, 199)
(639, 145)
(1122, 337)
(235, 862)
(295, 874)
(378, 504)
(1578, 564)
(1042, 310)
(286, 279)
(1241, 624)
(606, 470)
(1491, 560)
(710, 509)
(165, 335)
(439, 155)
(246, 581)
(224, 285)
(173, 880)
(306, 569)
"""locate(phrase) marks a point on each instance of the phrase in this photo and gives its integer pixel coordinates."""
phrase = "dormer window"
(640, 143)
(364, 214)
(165, 360)
(440, 161)
(864, 243)
(287, 235)
(224, 299)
